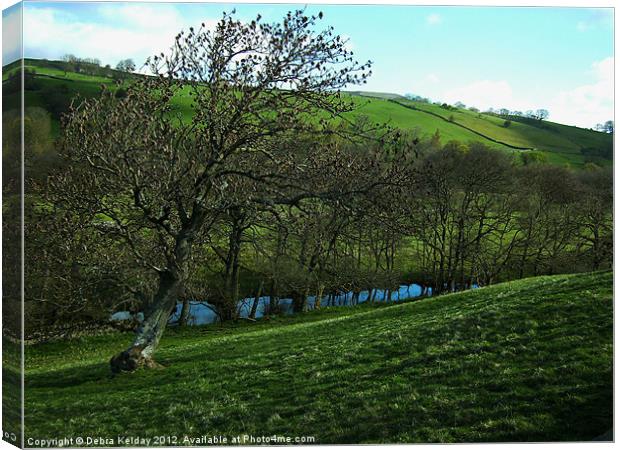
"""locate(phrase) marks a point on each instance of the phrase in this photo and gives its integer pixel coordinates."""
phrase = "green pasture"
(529, 360)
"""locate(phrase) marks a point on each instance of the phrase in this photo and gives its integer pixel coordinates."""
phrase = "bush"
(507, 123)
(590, 153)
(120, 93)
(57, 100)
(532, 157)
(30, 81)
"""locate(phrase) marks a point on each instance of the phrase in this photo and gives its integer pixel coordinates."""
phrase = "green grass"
(69, 76)
(382, 95)
(529, 360)
(561, 143)
(11, 386)
(518, 134)
(383, 111)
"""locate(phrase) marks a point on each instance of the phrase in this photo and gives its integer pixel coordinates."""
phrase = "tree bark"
(256, 301)
(184, 313)
(319, 297)
(148, 335)
(304, 306)
(300, 300)
(274, 299)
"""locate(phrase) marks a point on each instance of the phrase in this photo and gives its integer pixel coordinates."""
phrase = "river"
(201, 314)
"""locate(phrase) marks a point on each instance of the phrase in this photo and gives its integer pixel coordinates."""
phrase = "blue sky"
(519, 58)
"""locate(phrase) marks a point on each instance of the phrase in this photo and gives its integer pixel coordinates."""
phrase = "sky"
(519, 58)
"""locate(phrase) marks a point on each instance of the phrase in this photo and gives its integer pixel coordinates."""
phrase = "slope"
(561, 143)
(525, 360)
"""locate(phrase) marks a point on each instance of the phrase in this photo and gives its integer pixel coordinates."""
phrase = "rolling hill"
(561, 144)
(529, 360)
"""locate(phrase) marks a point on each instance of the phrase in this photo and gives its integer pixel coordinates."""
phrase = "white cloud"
(601, 17)
(604, 70)
(135, 31)
(485, 94)
(583, 106)
(143, 17)
(589, 104)
(433, 19)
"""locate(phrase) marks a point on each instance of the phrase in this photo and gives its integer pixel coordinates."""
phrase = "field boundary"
(414, 108)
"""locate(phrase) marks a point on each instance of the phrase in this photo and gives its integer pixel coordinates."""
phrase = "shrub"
(121, 93)
(533, 157)
(57, 99)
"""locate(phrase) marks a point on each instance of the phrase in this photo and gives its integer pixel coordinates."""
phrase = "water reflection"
(201, 313)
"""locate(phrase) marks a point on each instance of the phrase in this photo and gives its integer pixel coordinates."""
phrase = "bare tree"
(541, 114)
(126, 65)
(159, 180)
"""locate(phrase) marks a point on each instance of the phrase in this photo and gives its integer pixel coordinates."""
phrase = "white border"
(533, 3)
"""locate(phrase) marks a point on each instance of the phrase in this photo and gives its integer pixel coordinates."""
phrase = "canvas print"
(289, 224)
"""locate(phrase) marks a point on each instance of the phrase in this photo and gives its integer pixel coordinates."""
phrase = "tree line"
(410, 210)
(93, 66)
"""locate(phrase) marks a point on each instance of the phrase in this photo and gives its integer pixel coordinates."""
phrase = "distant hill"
(381, 95)
(560, 144)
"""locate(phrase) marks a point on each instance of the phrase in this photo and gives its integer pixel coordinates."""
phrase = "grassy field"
(381, 111)
(561, 143)
(529, 360)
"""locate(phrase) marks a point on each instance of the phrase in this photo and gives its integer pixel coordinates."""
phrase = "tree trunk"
(304, 305)
(140, 353)
(227, 310)
(298, 301)
(274, 299)
(184, 313)
(319, 297)
(256, 301)
(525, 252)
(596, 264)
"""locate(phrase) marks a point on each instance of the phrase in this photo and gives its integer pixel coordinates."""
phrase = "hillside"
(527, 360)
(381, 95)
(560, 143)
